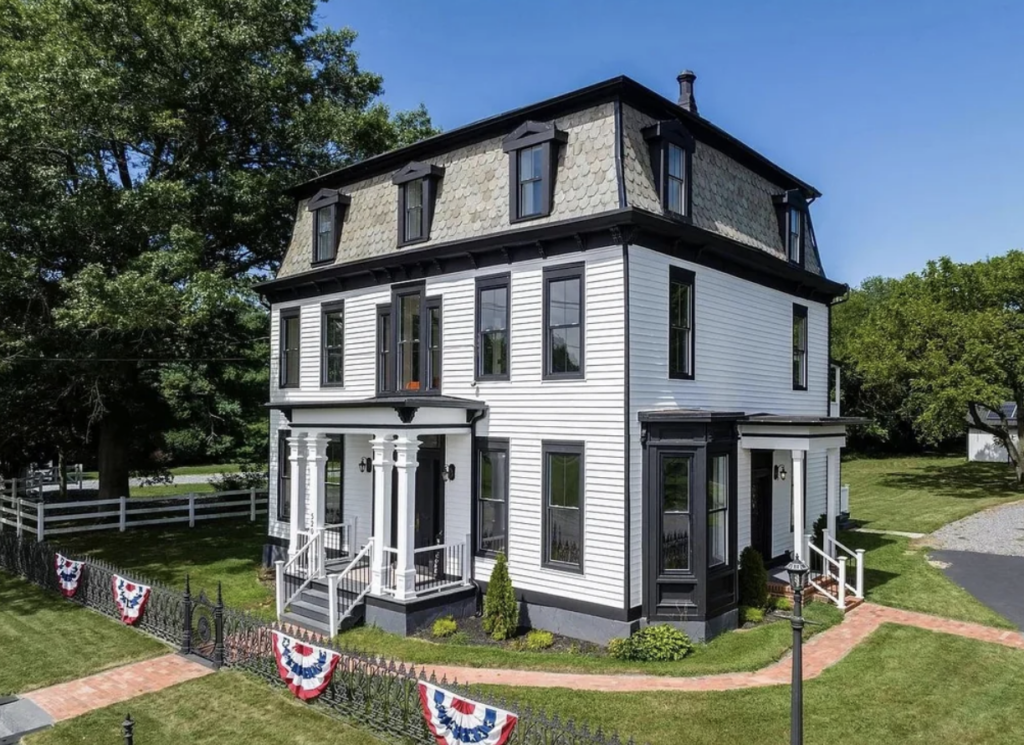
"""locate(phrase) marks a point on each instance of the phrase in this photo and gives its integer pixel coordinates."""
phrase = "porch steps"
(310, 610)
(780, 589)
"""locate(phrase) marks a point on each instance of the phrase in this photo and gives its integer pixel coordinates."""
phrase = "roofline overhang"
(620, 88)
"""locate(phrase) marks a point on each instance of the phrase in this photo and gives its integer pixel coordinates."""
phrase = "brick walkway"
(73, 699)
(820, 652)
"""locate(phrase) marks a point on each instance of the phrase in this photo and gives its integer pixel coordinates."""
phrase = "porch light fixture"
(365, 465)
(780, 473)
(797, 580)
(448, 472)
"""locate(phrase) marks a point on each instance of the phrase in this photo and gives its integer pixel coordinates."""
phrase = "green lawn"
(228, 551)
(188, 470)
(171, 490)
(228, 708)
(732, 652)
(45, 639)
(902, 685)
(922, 494)
(900, 576)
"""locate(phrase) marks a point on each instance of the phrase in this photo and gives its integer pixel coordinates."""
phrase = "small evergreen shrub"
(501, 609)
(660, 643)
(753, 579)
(751, 615)
(783, 604)
(819, 540)
(537, 640)
(444, 627)
(458, 639)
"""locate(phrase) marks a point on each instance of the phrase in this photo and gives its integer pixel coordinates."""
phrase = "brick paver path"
(820, 652)
(67, 700)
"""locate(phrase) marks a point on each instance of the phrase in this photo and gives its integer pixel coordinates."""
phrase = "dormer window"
(533, 157)
(417, 191)
(671, 150)
(328, 208)
(794, 225)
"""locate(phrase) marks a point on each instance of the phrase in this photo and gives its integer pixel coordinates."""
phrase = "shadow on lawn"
(20, 598)
(871, 542)
(962, 480)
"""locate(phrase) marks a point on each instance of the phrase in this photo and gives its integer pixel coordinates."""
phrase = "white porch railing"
(837, 549)
(354, 583)
(296, 574)
(834, 557)
(830, 567)
(439, 567)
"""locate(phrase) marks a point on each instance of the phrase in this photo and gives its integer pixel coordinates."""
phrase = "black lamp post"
(797, 579)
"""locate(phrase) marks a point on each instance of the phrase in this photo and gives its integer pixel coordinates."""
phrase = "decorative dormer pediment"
(327, 197)
(416, 170)
(531, 133)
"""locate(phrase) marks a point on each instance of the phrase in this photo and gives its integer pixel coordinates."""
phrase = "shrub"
(661, 643)
(819, 540)
(458, 639)
(751, 615)
(753, 579)
(537, 640)
(501, 609)
(783, 604)
(444, 627)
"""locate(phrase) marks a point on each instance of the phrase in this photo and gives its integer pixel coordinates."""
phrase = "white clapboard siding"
(743, 361)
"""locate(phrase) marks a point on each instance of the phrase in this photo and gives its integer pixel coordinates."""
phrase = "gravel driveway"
(999, 530)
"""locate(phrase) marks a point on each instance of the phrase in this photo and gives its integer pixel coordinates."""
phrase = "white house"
(591, 333)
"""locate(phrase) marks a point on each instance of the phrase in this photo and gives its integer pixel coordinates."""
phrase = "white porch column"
(315, 460)
(382, 465)
(798, 506)
(297, 509)
(831, 490)
(405, 541)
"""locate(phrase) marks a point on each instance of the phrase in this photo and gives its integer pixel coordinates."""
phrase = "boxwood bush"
(753, 579)
(660, 643)
(444, 627)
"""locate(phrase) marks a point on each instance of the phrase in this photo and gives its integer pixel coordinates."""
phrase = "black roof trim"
(531, 133)
(416, 170)
(706, 415)
(411, 402)
(327, 197)
(619, 88)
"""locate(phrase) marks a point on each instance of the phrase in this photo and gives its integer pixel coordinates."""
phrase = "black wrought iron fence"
(378, 693)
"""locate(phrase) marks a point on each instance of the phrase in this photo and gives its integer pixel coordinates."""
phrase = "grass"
(214, 468)
(921, 494)
(45, 639)
(732, 652)
(228, 708)
(899, 575)
(901, 685)
(171, 490)
(228, 551)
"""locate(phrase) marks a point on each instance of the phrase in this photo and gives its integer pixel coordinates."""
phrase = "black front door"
(761, 502)
(429, 511)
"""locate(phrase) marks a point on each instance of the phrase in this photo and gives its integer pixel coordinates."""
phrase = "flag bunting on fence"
(69, 573)
(455, 720)
(130, 598)
(306, 669)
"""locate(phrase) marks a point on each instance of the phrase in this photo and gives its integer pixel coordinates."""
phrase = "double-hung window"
(794, 236)
(718, 510)
(417, 191)
(675, 512)
(385, 369)
(290, 348)
(564, 339)
(799, 347)
(681, 346)
(332, 352)
(492, 327)
(334, 468)
(795, 226)
(563, 484)
(491, 496)
(671, 151)
(533, 158)
(284, 476)
(328, 208)
(409, 342)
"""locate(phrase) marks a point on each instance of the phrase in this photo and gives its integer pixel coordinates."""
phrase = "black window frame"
(430, 176)
(562, 447)
(327, 309)
(726, 510)
(335, 439)
(800, 317)
(388, 380)
(528, 135)
(694, 470)
(286, 315)
(482, 445)
(483, 284)
(336, 203)
(789, 204)
(677, 275)
(660, 136)
(555, 274)
(284, 506)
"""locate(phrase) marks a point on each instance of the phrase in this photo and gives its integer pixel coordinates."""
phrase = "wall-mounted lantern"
(365, 465)
(448, 473)
(780, 473)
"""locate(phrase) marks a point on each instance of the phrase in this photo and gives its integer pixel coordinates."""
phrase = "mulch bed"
(471, 633)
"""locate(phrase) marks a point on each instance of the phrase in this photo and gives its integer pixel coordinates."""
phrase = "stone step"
(306, 623)
(313, 612)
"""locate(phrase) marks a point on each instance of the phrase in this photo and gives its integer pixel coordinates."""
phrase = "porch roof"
(406, 407)
(740, 417)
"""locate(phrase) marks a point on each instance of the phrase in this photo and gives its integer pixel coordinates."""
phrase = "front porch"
(379, 510)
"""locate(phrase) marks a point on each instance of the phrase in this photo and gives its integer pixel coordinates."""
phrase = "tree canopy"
(145, 149)
(938, 349)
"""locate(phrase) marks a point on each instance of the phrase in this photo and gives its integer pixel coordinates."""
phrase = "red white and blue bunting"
(306, 669)
(69, 574)
(130, 598)
(456, 721)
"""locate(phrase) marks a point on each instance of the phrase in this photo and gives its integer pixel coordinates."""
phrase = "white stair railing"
(830, 568)
(836, 549)
(307, 564)
(353, 585)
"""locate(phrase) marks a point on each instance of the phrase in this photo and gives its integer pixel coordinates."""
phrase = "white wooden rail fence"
(43, 519)
(33, 483)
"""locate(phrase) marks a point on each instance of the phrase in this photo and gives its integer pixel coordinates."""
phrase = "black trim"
(556, 274)
(562, 447)
(288, 314)
(679, 276)
(416, 170)
(492, 282)
(659, 137)
(793, 200)
(489, 444)
(385, 401)
(800, 312)
(407, 412)
(327, 309)
(528, 136)
(392, 375)
(326, 198)
(624, 88)
(627, 439)
(655, 232)
(336, 202)
(619, 180)
(430, 175)
(562, 602)
(531, 133)
(283, 452)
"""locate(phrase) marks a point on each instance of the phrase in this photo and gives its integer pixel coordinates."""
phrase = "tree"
(144, 152)
(952, 338)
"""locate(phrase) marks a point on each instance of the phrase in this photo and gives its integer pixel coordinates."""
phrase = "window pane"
(675, 197)
(333, 481)
(675, 519)
(718, 483)
(384, 350)
(493, 308)
(435, 348)
(717, 537)
(565, 350)
(333, 351)
(409, 341)
(795, 222)
(526, 169)
(492, 526)
(494, 351)
(530, 198)
(680, 304)
(284, 469)
(564, 302)
(564, 535)
(493, 468)
(324, 233)
(675, 161)
(290, 344)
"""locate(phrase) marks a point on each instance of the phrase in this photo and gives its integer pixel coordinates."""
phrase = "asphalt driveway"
(997, 581)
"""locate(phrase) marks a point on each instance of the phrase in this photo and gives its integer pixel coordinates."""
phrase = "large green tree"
(144, 151)
(946, 346)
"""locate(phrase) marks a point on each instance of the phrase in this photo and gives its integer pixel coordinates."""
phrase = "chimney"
(686, 99)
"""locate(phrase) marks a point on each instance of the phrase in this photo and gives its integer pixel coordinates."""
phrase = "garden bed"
(471, 633)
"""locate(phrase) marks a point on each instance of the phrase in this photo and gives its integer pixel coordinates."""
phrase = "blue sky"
(908, 116)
